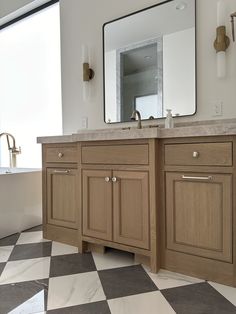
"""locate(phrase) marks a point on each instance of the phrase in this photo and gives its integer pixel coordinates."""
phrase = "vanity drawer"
(61, 154)
(203, 154)
(115, 154)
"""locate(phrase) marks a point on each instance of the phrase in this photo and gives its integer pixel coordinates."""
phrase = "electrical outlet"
(217, 108)
(84, 122)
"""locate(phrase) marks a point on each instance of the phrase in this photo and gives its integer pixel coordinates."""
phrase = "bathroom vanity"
(165, 195)
(102, 192)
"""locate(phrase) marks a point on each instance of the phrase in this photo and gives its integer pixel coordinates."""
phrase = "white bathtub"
(20, 199)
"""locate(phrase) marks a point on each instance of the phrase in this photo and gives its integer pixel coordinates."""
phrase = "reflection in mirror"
(149, 62)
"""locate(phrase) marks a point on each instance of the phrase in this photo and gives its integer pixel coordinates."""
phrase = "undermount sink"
(144, 127)
(109, 130)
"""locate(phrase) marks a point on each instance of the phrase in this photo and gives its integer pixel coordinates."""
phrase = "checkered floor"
(40, 276)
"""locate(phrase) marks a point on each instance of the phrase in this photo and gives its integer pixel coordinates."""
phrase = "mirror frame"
(103, 57)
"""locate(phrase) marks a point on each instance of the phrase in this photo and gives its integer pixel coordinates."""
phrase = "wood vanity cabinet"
(119, 196)
(102, 193)
(171, 202)
(60, 190)
(198, 213)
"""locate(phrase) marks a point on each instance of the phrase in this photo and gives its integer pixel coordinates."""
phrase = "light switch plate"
(217, 108)
(84, 122)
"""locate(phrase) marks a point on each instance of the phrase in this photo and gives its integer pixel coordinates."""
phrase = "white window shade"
(30, 83)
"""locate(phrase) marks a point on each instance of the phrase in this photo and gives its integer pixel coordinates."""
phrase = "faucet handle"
(16, 151)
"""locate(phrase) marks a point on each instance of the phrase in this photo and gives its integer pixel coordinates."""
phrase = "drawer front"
(116, 154)
(61, 154)
(203, 154)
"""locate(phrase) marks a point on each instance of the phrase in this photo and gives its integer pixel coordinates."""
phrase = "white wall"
(81, 22)
(77, 29)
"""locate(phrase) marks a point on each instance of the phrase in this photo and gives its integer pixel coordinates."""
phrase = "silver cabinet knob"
(114, 179)
(60, 155)
(107, 179)
(195, 154)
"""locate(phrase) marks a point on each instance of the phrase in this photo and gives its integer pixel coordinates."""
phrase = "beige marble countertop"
(193, 130)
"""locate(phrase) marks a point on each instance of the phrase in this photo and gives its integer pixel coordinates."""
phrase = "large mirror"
(149, 62)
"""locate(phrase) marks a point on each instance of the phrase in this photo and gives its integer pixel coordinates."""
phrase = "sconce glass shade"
(220, 13)
(88, 73)
(86, 91)
(85, 54)
(221, 40)
(221, 64)
(85, 59)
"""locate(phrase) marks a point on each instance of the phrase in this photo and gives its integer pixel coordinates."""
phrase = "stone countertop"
(152, 132)
(54, 139)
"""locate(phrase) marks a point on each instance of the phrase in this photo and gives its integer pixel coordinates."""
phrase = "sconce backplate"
(222, 41)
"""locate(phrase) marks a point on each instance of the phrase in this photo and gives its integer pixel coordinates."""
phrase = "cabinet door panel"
(199, 215)
(61, 197)
(97, 204)
(131, 208)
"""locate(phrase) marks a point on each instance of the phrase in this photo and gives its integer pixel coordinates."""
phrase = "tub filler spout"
(13, 150)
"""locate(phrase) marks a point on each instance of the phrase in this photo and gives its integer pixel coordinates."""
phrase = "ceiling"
(151, 23)
(140, 59)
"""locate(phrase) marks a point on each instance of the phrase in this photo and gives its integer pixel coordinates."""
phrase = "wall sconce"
(88, 73)
(222, 40)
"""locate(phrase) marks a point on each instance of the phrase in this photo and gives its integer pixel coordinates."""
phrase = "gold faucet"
(13, 150)
(133, 117)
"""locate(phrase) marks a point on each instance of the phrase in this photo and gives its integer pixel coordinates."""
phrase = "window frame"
(31, 12)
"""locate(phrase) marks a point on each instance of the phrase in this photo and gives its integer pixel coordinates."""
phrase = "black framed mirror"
(149, 61)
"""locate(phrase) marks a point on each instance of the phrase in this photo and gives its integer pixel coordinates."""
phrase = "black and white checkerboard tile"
(40, 276)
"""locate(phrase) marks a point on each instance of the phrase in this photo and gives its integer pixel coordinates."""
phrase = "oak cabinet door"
(131, 208)
(199, 214)
(97, 204)
(62, 190)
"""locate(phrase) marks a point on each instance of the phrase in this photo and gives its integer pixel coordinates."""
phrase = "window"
(30, 83)
(148, 106)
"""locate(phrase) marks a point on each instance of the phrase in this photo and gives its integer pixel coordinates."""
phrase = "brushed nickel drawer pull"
(114, 179)
(197, 178)
(61, 171)
(107, 179)
(195, 154)
(60, 155)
